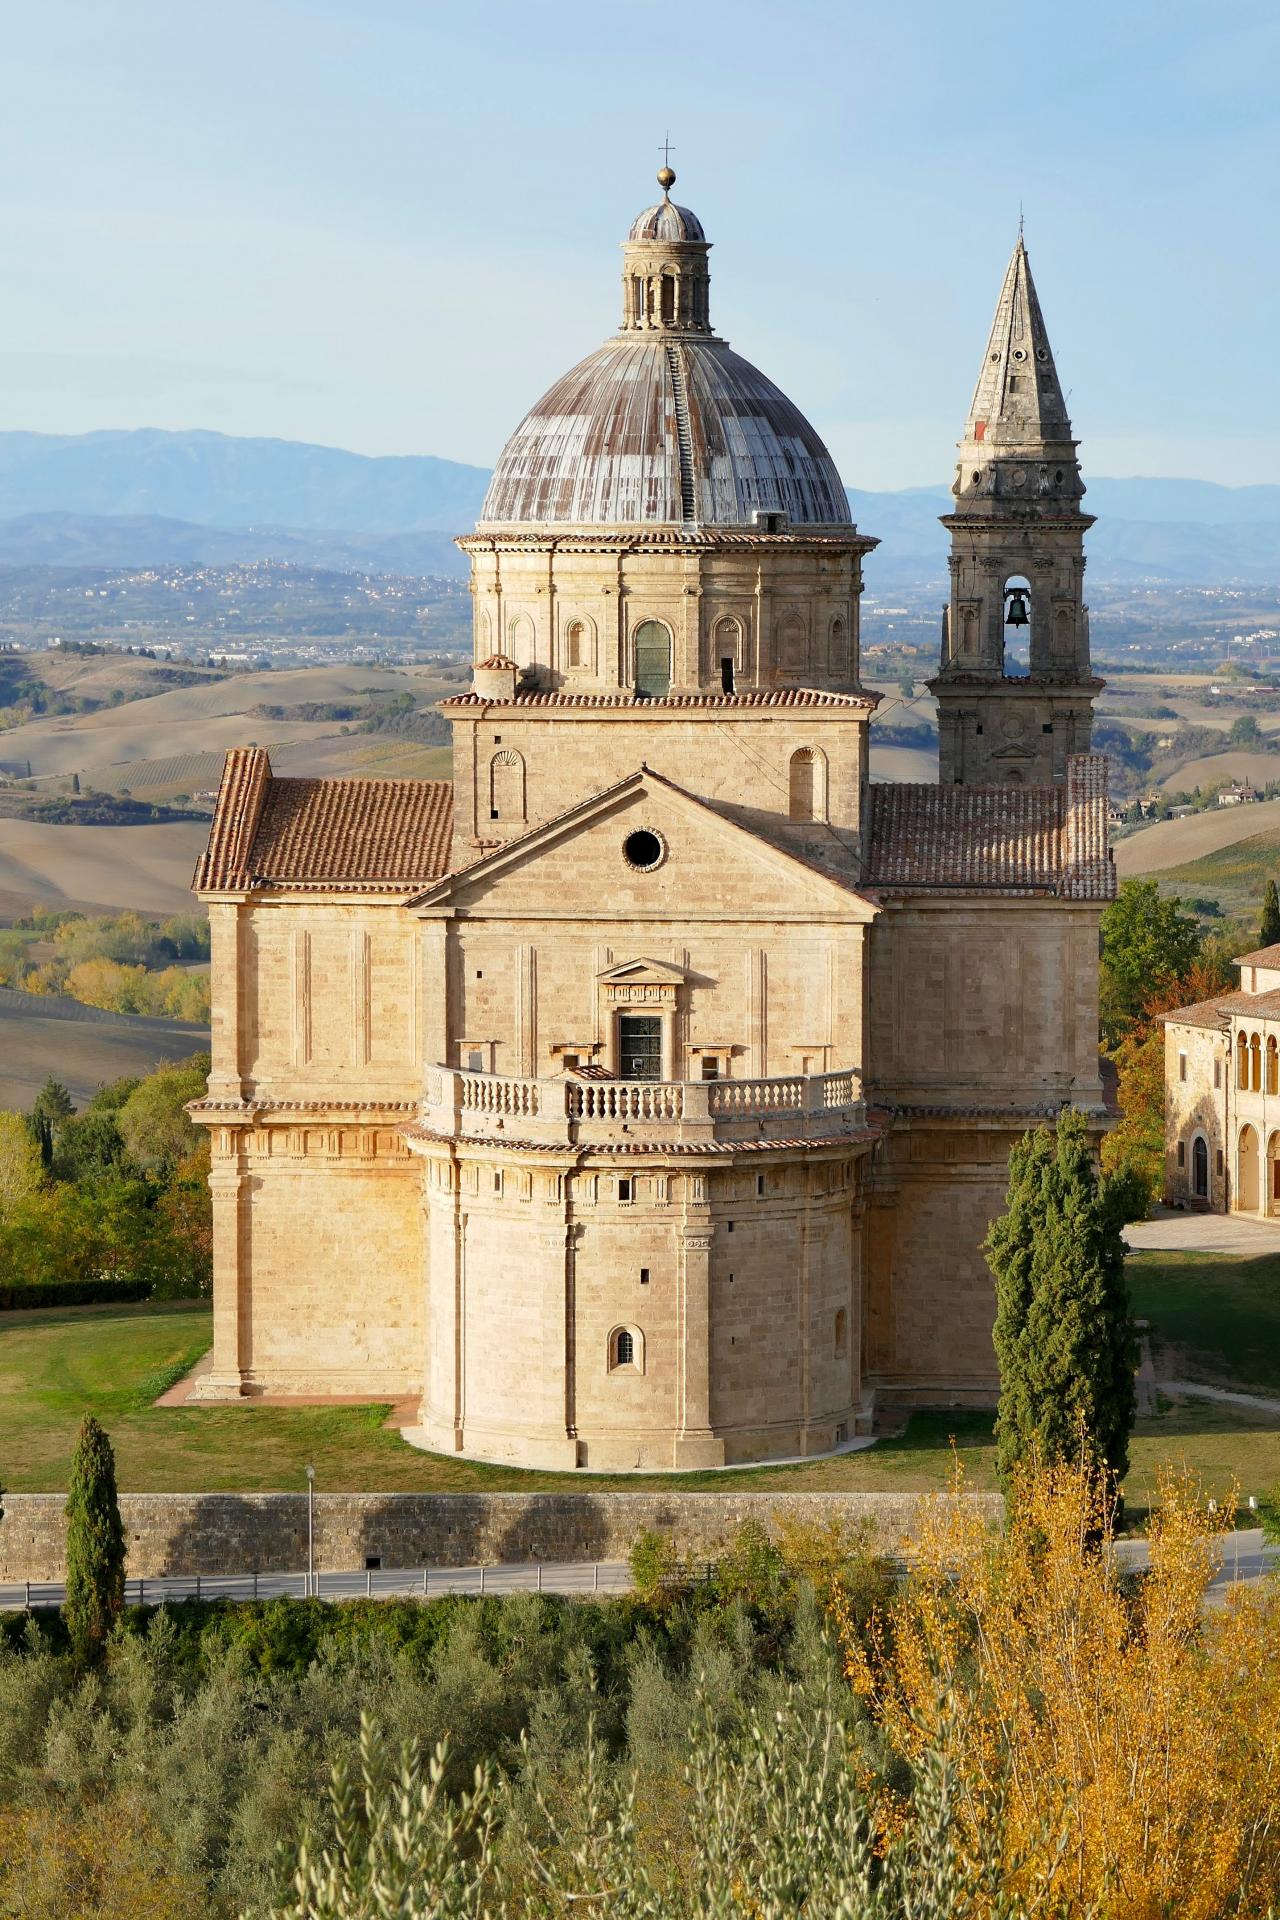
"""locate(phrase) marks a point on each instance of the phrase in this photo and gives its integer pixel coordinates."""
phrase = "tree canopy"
(1147, 942)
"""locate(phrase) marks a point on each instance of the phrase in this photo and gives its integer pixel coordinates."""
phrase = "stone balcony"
(563, 1110)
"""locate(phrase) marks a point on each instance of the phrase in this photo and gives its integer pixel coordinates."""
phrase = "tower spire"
(1017, 565)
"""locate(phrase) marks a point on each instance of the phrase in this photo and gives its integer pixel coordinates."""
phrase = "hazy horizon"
(385, 231)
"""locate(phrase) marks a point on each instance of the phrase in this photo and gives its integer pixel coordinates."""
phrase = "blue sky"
(389, 226)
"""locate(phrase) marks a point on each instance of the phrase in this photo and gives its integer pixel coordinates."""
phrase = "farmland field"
(147, 867)
(1173, 843)
(81, 1046)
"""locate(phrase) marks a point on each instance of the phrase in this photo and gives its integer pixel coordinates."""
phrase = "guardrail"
(565, 1107)
(373, 1583)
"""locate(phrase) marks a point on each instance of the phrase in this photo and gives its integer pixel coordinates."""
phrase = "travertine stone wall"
(784, 610)
(224, 1533)
(930, 1298)
(1194, 1105)
(332, 994)
(984, 1002)
(738, 1283)
(738, 760)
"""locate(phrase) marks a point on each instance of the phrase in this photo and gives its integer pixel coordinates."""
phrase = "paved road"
(1246, 1558)
(386, 1583)
(1172, 1232)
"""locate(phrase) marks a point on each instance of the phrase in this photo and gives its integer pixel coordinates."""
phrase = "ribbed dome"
(603, 446)
(666, 221)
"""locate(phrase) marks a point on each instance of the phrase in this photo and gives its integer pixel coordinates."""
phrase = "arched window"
(1273, 1066)
(1242, 1063)
(837, 658)
(1255, 1063)
(578, 645)
(506, 786)
(807, 784)
(726, 652)
(793, 643)
(653, 659)
(484, 634)
(1200, 1167)
(520, 640)
(626, 1350)
(1063, 632)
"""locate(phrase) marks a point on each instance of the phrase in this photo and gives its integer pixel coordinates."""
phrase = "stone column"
(231, 1303)
(442, 1411)
(695, 1443)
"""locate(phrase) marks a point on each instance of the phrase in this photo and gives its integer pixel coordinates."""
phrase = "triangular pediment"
(643, 973)
(574, 867)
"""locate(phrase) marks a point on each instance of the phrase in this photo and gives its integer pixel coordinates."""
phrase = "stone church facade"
(641, 1097)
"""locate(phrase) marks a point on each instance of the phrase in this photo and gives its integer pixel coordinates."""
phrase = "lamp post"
(311, 1530)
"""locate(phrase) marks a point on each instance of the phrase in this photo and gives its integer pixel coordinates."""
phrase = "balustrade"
(489, 1100)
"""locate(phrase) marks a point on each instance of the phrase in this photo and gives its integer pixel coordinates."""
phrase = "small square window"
(372, 1562)
(710, 1067)
(569, 1060)
(1047, 727)
(475, 1061)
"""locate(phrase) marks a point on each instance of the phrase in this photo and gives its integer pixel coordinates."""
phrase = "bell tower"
(1017, 567)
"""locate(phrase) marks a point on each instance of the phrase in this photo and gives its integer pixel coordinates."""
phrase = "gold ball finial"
(666, 178)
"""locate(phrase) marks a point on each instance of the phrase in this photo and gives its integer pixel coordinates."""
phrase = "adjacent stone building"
(1222, 1095)
(641, 1099)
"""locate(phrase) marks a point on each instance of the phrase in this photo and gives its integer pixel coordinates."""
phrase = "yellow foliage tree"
(1122, 1742)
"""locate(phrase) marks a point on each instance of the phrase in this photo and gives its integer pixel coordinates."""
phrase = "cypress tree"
(95, 1542)
(1064, 1334)
(1269, 928)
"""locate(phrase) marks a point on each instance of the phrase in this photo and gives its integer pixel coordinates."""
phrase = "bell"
(1017, 615)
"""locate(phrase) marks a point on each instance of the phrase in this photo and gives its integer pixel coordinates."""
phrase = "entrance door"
(1200, 1166)
(640, 1046)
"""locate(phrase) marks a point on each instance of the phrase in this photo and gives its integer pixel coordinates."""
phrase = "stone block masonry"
(235, 1533)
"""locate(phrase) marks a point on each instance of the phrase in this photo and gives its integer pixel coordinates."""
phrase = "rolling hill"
(145, 496)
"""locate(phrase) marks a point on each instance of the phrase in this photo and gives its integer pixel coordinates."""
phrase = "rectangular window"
(1219, 1159)
(1182, 1153)
(710, 1067)
(1182, 1066)
(759, 1183)
(1217, 1073)
(726, 676)
(640, 1046)
(569, 1060)
(624, 1190)
(644, 1276)
(475, 1061)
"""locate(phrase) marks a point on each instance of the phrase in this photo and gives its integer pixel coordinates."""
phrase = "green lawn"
(1218, 1317)
(58, 1364)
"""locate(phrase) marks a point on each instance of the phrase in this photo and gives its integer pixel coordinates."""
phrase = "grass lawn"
(1217, 1318)
(57, 1364)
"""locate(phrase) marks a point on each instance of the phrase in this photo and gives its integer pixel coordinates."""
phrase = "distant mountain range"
(130, 499)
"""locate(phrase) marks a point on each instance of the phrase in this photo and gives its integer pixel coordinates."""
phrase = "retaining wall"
(189, 1533)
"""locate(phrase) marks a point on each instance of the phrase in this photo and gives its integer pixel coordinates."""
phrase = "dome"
(604, 445)
(667, 221)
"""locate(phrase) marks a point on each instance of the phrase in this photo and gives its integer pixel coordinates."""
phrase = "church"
(641, 1097)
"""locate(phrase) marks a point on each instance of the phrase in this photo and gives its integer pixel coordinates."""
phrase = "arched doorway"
(1200, 1167)
(1247, 1171)
(1273, 1175)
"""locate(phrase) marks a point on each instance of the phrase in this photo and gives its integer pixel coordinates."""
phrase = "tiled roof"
(354, 834)
(1216, 1012)
(994, 839)
(1262, 957)
(765, 697)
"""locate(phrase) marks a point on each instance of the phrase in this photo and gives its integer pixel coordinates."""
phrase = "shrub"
(95, 1543)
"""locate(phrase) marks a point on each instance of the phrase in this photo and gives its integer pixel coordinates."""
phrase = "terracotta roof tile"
(984, 839)
(1261, 957)
(764, 697)
(354, 834)
(1216, 1012)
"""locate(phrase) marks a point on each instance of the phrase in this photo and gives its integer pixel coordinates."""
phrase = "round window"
(643, 849)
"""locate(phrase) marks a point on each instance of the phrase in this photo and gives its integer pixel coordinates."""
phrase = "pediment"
(573, 867)
(636, 973)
